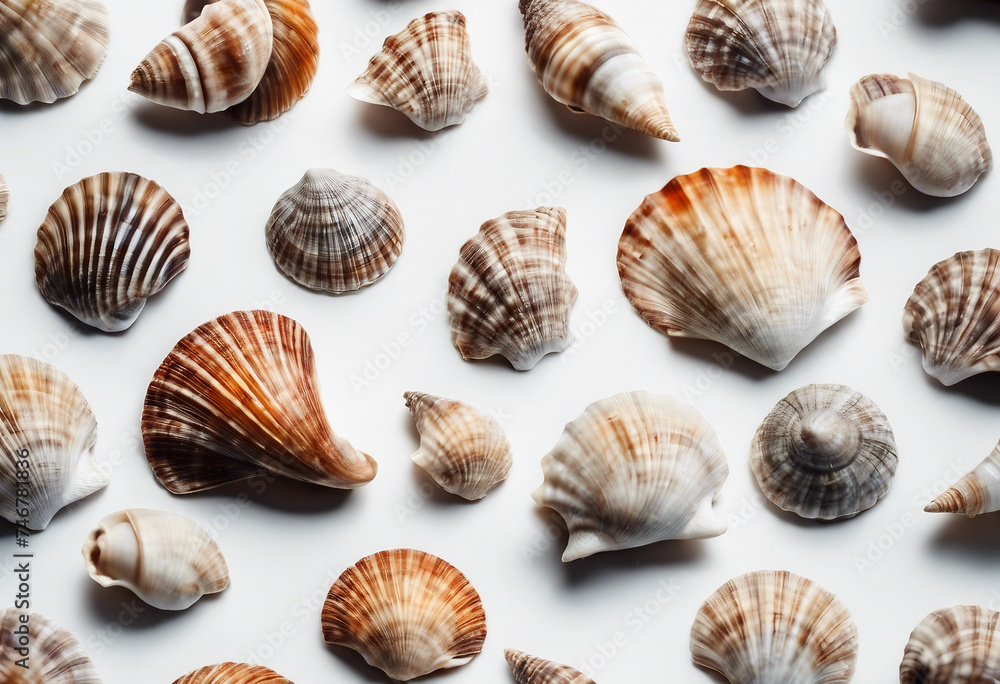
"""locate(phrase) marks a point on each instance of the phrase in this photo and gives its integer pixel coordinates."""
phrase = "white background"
(516, 150)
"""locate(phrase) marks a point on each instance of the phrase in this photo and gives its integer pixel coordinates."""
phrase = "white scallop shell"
(977, 492)
(55, 656)
(958, 645)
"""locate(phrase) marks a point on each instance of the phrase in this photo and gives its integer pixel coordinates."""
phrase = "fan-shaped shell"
(958, 645)
(529, 669)
(48, 48)
(233, 673)
(977, 492)
(107, 244)
(334, 233)
(55, 655)
(238, 398)
(586, 61)
(407, 612)
(426, 72)
(634, 469)
(824, 451)
(774, 627)
(4, 197)
(741, 256)
(510, 293)
(935, 139)
(47, 431)
(778, 47)
(464, 450)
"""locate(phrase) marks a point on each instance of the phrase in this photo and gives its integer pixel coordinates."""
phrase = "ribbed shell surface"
(977, 492)
(233, 673)
(528, 669)
(56, 656)
(959, 645)
(4, 197)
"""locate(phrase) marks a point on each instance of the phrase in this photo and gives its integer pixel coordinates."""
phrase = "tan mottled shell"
(464, 450)
(426, 72)
(334, 233)
(233, 673)
(773, 626)
(634, 469)
(935, 139)
(4, 197)
(741, 256)
(529, 669)
(107, 244)
(586, 61)
(48, 48)
(510, 293)
(56, 656)
(237, 398)
(958, 645)
(977, 492)
(407, 612)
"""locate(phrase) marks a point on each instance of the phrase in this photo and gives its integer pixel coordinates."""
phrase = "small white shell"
(977, 492)
(528, 669)
(958, 645)
(4, 197)
(55, 655)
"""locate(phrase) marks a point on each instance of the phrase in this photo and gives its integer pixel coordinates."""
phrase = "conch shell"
(4, 197)
(529, 669)
(233, 673)
(958, 645)
(977, 492)
(56, 656)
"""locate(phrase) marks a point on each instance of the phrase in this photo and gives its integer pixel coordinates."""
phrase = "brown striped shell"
(233, 673)
(958, 645)
(107, 244)
(528, 669)
(4, 197)
(237, 398)
(977, 492)
(55, 655)
(407, 612)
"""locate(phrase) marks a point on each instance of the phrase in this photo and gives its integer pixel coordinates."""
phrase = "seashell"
(510, 293)
(426, 72)
(4, 197)
(935, 139)
(45, 421)
(233, 673)
(406, 612)
(238, 398)
(56, 656)
(334, 233)
(167, 560)
(634, 469)
(529, 669)
(777, 47)
(958, 645)
(977, 492)
(824, 452)
(212, 63)
(48, 48)
(586, 61)
(741, 256)
(954, 315)
(774, 627)
(464, 450)
(107, 244)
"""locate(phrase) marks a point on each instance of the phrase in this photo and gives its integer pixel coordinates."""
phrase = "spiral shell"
(55, 657)
(529, 669)
(233, 673)
(977, 492)
(958, 645)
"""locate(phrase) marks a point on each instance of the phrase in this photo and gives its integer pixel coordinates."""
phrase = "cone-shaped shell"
(233, 673)
(407, 612)
(824, 452)
(4, 197)
(237, 398)
(634, 469)
(977, 492)
(510, 293)
(56, 656)
(935, 139)
(528, 669)
(211, 63)
(107, 244)
(958, 645)
(464, 450)
(778, 47)
(426, 72)
(334, 233)
(741, 256)
(772, 626)
(47, 430)
(586, 61)
(48, 48)
(167, 560)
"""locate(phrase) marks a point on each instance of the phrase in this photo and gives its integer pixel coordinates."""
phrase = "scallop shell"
(212, 63)
(824, 452)
(741, 256)
(510, 293)
(778, 47)
(233, 673)
(977, 492)
(44, 420)
(108, 243)
(775, 627)
(48, 48)
(529, 669)
(167, 560)
(334, 233)
(634, 469)
(426, 72)
(959, 645)
(954, 315)
(407, 612)
(464, 450)
(55, 657)
(935, 139)
(238, 398)
(4, 197)
(586, 61)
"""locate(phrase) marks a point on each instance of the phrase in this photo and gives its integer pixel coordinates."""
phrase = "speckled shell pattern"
(977, 492)
(586, 61)
(107, 244)
(775, 627)
(741, 256)
(56, 656)
(528, 669)
(4, 197)
(407, 612)
(233, 673)
(958, 645)
(48, 48)
(237, 398)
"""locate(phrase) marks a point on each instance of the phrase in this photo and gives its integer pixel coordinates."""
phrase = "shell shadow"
(388, 124)
(983, 387)
(11, 107)
(356, 662)
(164, 119)
(438, 496)
(974, 539)
(116, 605)
(713, 353)
(947, 12)
(713, 675)
(747, 101)
(281, 494)
(877, 176)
